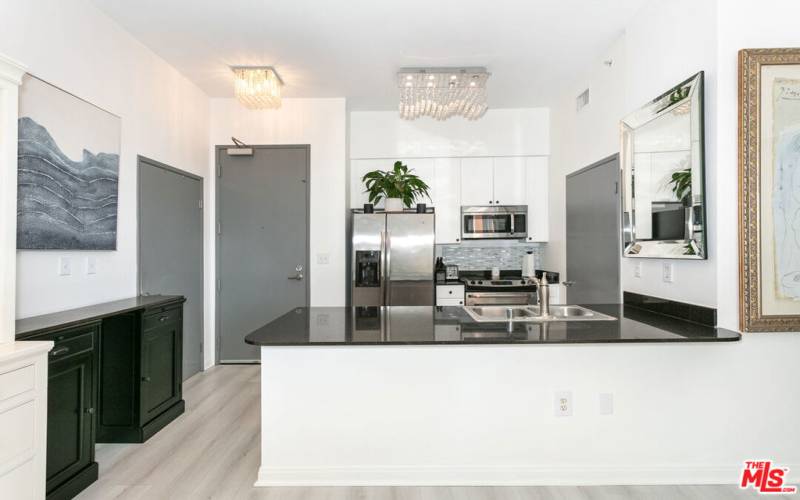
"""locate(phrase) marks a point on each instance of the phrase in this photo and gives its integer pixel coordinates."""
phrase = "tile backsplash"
(478, 258)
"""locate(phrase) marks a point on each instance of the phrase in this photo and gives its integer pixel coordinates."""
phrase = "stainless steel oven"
(494, 222)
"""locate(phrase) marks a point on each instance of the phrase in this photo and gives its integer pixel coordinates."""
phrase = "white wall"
(320, 123)
(164, 116)
(450, 415)
(500, 132)
(742, 24)
(660, 48)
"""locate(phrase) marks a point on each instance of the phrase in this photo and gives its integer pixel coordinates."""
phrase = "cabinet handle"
(461, 302)
(90, 411)
(145, 379)
(458, 239)
(162, 318)
(497, 202)
(59, 351)
(450, 292)
(490, 202)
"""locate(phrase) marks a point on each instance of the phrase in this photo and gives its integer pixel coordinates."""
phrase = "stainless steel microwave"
(494, 222)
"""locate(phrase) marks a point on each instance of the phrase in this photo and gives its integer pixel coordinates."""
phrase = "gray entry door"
(171, 247)
(593, 233)
(262, 245)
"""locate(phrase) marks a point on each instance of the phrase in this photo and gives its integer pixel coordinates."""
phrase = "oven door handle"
(497, 294)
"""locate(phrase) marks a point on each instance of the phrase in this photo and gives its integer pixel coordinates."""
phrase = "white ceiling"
(353, 48)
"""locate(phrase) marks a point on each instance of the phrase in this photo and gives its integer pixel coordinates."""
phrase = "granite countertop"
(425, 325)
(30, 326)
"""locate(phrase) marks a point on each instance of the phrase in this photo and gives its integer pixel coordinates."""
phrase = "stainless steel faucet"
(543, 294)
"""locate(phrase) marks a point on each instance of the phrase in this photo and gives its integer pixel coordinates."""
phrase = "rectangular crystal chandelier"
(257, 87)
(442, 92)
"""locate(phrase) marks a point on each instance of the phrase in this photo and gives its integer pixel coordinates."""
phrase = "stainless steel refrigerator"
(392, 258)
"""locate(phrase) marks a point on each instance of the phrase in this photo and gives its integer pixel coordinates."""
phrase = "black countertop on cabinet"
(37, 324)
(424, 325)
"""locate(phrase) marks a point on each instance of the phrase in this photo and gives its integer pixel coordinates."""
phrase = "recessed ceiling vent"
(582, 100)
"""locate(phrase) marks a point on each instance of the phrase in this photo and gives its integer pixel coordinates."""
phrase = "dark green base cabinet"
(71, 396)
(140, 385)
(114, 375)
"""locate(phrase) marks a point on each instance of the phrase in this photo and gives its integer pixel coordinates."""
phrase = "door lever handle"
(567, 283)
(299, 275)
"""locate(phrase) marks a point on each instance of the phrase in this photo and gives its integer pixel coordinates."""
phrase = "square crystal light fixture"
(442, 92)
(257, 87)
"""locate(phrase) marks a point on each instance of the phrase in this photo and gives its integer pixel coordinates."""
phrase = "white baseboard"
(497, 476)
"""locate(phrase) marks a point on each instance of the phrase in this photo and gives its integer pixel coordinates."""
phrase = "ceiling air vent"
(582, 100)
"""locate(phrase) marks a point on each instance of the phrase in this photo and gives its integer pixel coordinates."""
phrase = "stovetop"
(474, 280)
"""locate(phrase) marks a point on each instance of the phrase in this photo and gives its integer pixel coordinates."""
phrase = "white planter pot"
(394, 204)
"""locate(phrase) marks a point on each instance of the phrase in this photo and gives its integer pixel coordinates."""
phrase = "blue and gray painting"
(64, 204)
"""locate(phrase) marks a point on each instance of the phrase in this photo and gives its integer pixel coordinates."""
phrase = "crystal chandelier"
(442, 92)
(257, 87)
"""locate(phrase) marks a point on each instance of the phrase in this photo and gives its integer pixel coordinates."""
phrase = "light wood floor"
(212, 451)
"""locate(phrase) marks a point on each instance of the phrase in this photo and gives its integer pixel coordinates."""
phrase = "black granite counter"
(30, 326)
(317, 326)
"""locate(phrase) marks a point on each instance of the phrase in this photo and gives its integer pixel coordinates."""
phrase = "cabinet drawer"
(70, 342)
(17, 382)
(73, 345)
(450, 302)
(450, 291)
(161, 317)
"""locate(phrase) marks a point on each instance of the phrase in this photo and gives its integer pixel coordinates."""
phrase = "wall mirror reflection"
(663, 172)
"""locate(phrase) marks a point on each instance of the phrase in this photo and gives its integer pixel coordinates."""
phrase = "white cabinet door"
(477, 181)
(447, 200)
(509, 181)
(424, 168)
(537, 189)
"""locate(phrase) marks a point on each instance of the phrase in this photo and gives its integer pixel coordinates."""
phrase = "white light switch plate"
(323, 259)
(606, 403)
(64, 266)
(637, 270)
(91, 265)
(668, 272)
(562, 404)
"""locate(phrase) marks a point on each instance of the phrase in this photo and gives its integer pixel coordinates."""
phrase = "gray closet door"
(262, 246)
(171, 247)
(593, 234)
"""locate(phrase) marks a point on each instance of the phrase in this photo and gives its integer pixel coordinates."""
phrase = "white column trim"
(11, 73)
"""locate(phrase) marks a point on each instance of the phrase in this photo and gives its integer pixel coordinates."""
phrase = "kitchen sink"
(485, 314)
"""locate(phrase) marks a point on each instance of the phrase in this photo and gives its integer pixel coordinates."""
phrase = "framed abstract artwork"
(769, 190)
(68, 171)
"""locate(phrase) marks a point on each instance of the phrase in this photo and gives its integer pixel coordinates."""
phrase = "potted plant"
(399, 186)
(681, 184)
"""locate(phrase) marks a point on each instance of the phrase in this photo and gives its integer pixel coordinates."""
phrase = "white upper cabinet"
(424, 168)
(537, 189)
(446, 196)
(477, 181)
(509, 181)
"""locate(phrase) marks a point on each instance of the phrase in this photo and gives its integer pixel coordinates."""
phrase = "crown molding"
(11, 70)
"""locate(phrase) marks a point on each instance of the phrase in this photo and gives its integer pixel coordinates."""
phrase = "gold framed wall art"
(769, 189)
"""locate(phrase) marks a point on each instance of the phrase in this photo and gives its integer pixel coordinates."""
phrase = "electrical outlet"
(637, 270)
(91, 265)
(605, 403)
(323, 259)
(667, 272)
(562, 404)
(64, 266)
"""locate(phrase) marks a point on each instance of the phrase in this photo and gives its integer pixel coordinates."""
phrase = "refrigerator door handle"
(383, 267)
(388, 253)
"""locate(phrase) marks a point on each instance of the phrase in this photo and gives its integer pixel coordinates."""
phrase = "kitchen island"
(429, 395)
